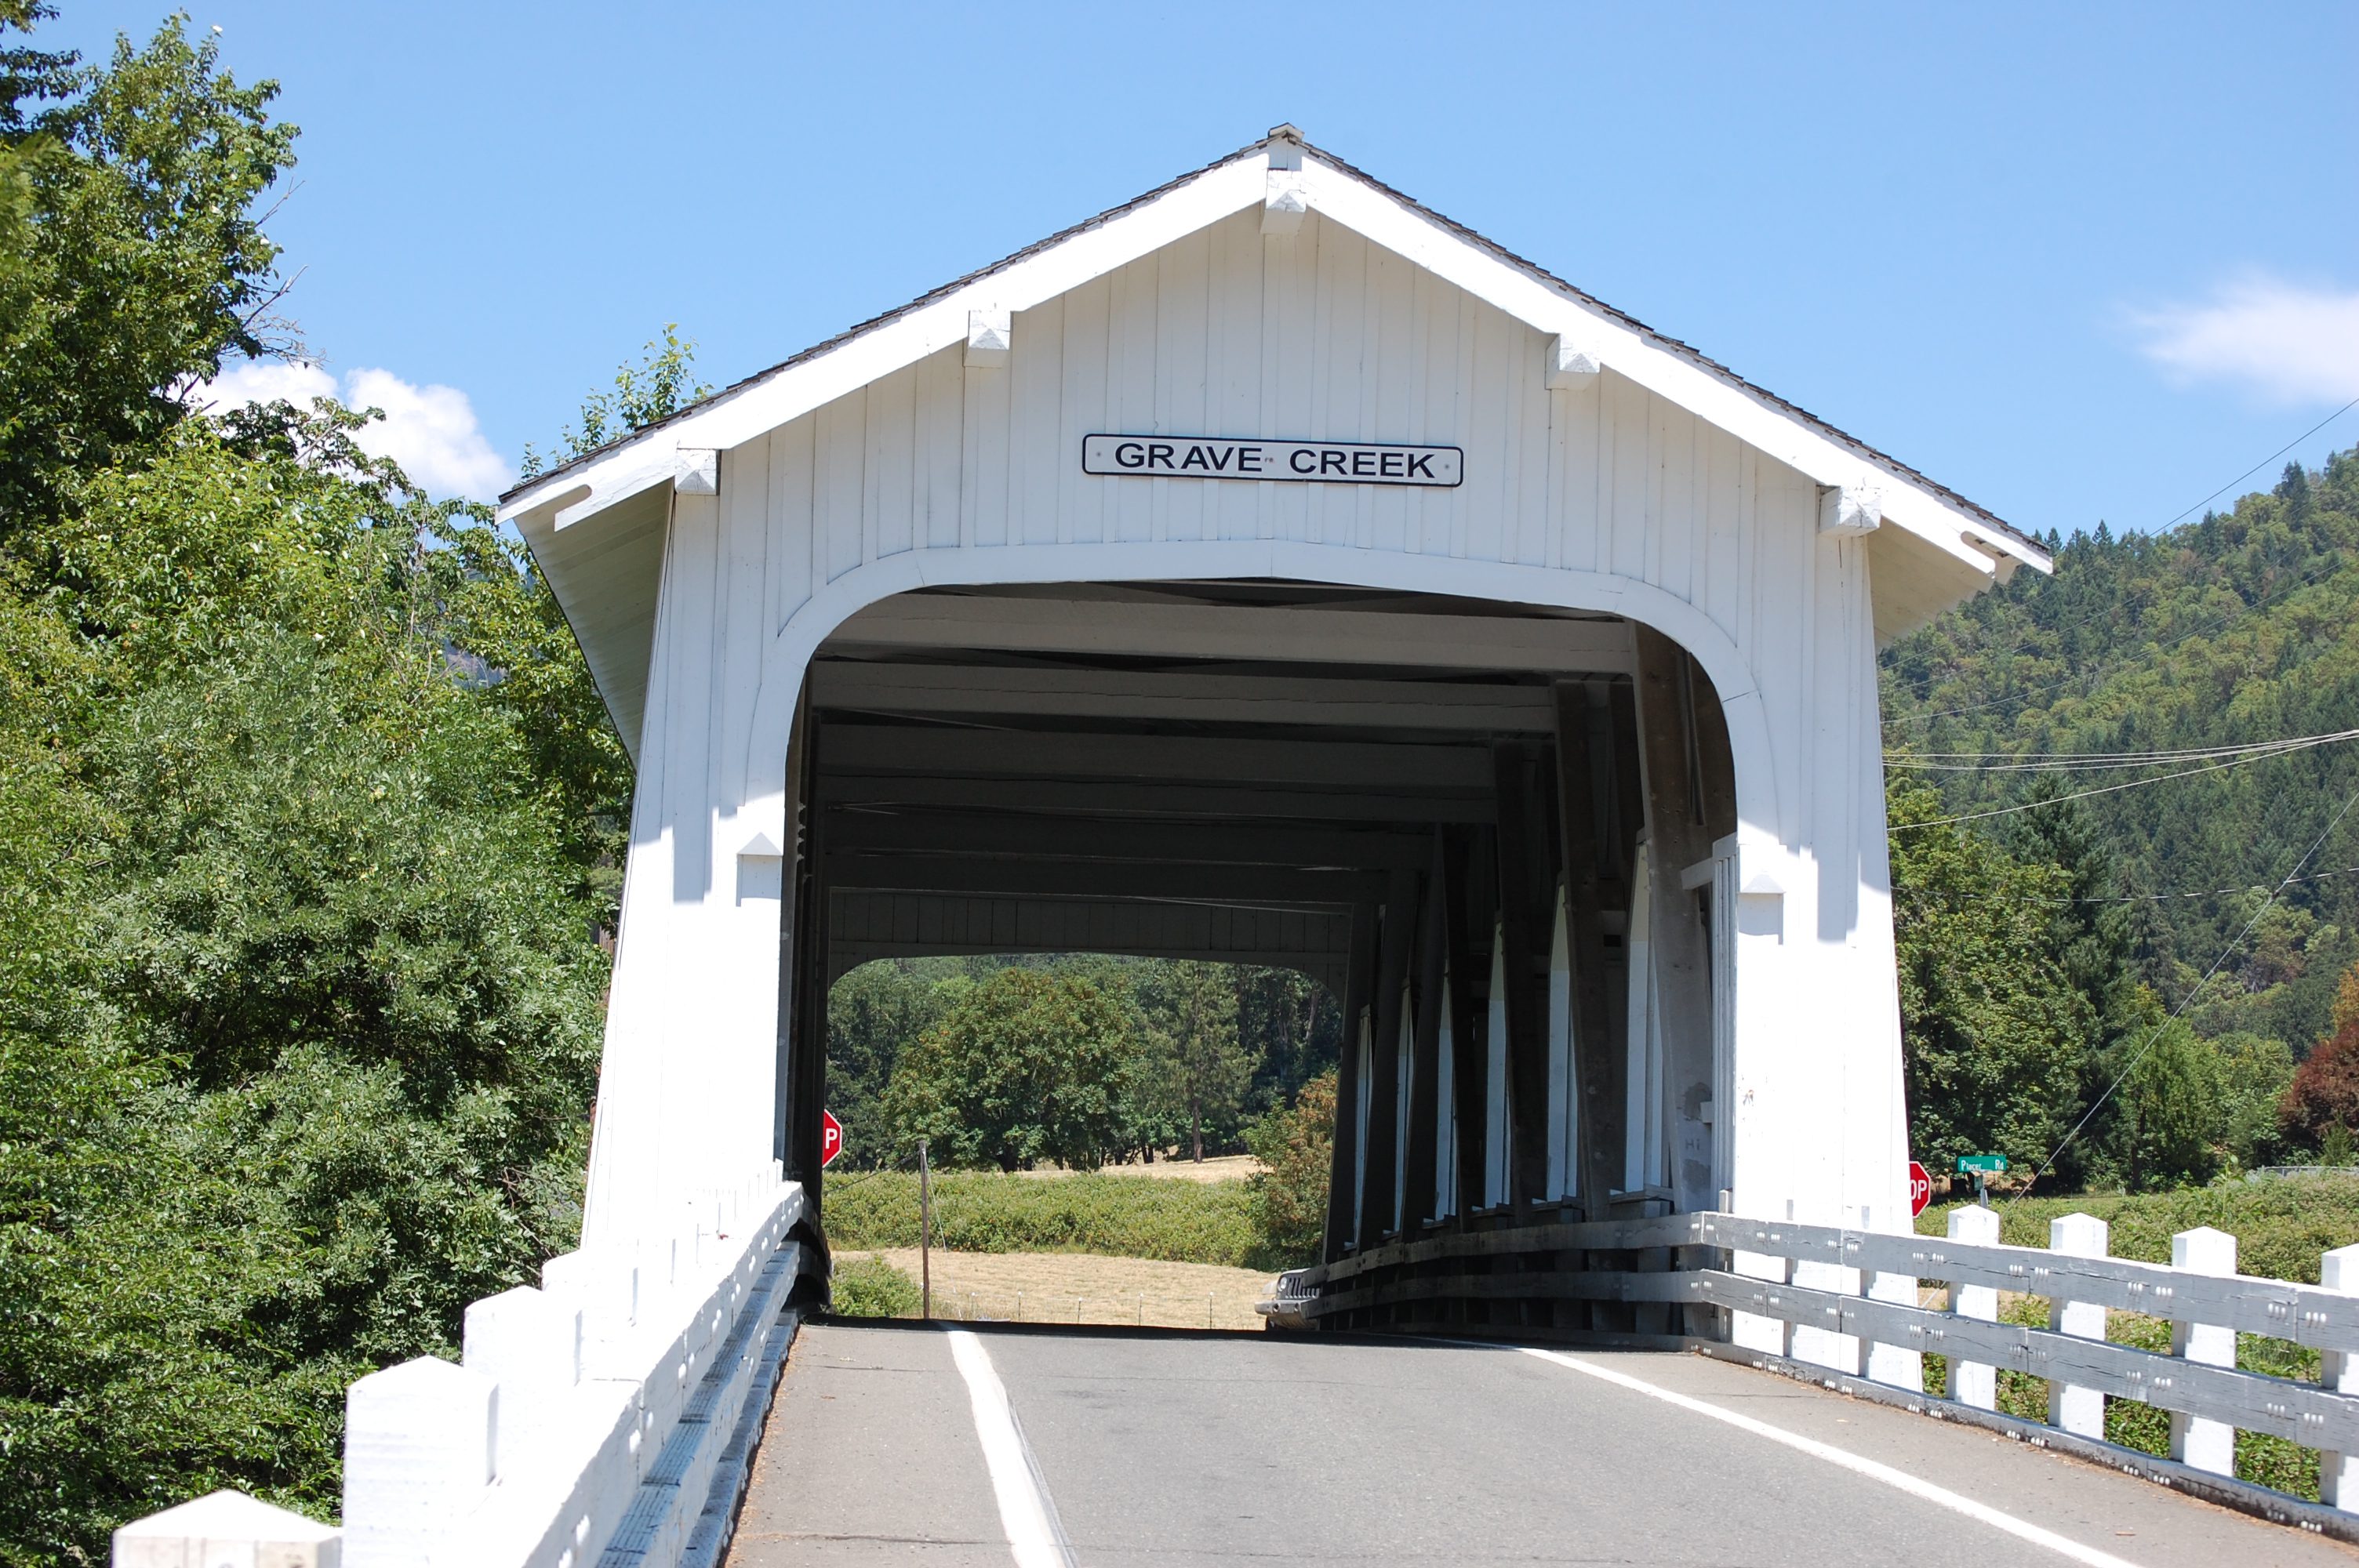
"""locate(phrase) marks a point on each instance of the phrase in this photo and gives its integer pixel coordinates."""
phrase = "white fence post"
(418, 1440)
(1974, 1383)
(226, 1528)
(2079, 1410)
(529, 1343)
(2338, 1474)
(2205, 1444)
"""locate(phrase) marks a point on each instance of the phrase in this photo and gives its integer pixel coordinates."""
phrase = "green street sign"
(1988, 1164)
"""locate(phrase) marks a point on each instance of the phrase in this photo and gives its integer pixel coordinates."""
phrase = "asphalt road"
(1172, 1449)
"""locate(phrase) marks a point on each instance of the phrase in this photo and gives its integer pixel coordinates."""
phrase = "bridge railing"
(601, 1421)
(1848, 1300)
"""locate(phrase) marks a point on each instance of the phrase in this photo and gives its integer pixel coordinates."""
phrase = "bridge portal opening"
(1496, 833)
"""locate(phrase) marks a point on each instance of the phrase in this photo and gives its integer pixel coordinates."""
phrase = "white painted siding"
(1609, 498)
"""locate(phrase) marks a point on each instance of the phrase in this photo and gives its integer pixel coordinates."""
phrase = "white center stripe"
(1900, 1479)
(1034, 1534)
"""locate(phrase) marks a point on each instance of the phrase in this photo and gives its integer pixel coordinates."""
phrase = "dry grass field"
(1219, 1168)
(1079, 1287)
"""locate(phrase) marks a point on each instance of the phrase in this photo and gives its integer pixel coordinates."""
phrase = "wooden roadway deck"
(1174, 1449)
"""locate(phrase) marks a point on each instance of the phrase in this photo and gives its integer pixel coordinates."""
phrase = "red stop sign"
(831, 1141)
(1921, 1189)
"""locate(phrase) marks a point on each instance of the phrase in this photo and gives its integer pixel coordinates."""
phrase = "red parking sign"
(831, 1140)
(1921, 1189)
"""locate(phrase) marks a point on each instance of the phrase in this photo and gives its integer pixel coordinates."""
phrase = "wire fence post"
(925, 1235)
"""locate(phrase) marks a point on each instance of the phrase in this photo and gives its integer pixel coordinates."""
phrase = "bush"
(1117, 1216)
(1296, 1145)
(870, 1287)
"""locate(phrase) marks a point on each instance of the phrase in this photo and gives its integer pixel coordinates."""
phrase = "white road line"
(1900, 1479)
(1034, 1533)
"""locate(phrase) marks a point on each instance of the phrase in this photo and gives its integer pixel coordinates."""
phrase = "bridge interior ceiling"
(1429, 803)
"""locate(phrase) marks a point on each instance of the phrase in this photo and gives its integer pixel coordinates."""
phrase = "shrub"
(1118, 1216)
(870, 1287)
(1296, 1145)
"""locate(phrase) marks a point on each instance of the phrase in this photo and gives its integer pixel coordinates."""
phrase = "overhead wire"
(2099, 762)
(2133, 784)
(1925, 683)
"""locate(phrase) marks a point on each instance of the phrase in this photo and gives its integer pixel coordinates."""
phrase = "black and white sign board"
(1304, 462)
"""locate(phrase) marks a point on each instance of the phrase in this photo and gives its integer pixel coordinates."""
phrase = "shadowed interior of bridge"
(1435, 805)
(1171, 1448)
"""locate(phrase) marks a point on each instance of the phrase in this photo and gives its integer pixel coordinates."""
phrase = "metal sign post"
(1981, 1167)
(925, 1236)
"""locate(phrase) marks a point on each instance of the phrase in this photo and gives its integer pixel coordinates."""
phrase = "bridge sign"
(831, 1139)
(1921, 1189)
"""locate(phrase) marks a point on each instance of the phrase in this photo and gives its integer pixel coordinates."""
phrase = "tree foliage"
(1025, 1068)
(1296, 1145)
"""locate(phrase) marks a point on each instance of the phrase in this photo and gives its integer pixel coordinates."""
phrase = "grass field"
(1078, 1287)
(1179, 1221)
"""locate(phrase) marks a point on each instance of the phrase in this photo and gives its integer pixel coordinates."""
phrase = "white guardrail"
(602, 1420)
(1821, 1295)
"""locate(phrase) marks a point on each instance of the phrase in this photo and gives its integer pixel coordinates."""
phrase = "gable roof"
(1960, 529)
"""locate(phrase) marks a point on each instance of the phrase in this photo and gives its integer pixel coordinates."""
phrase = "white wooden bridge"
(1271, 571)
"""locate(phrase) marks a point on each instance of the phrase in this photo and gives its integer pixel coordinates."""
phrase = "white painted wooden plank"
(940, 399)
(744, 637)
(1082, 499)
(1233, 304)
(1289, 313)
(986, 430)
(1427, 516)
(1391, 380)
(794, 546)
(1528, 404)
(1627, 409)
(1490, 438)
(1676, 533)
(1179, 366)
(1038, 455)
(1130, 389)
(842, 458)
(1578, 509)
(1716, 567)
(889, 492)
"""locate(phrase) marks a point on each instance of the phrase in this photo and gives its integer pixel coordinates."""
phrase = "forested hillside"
(2046, 941)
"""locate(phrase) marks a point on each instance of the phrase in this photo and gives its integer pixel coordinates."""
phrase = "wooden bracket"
(698, 472)
(1845, 512)
(1571, 368)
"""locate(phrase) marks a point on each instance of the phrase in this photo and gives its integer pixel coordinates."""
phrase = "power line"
(2189, 1000)
(2116, 898)
(2133, 784)
(1926, 683)
(2101, 761)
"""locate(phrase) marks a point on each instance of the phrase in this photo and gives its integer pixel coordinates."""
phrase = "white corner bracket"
(989, 335)
(1848, 512)
(1571, 368)
(698, 472)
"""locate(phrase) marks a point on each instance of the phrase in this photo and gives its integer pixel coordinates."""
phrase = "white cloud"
(2287, 341)
(429, 430)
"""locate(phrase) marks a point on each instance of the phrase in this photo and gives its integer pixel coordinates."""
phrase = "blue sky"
(2078, 262)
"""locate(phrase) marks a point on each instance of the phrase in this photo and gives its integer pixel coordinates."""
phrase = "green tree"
(1296, 1145)
(1201, 1066)
(649, 393)
(873, 1014)
(1995, 1036)
(1024, 1067)
(133, 258)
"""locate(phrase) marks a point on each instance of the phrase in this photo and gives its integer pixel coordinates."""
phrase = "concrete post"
(227, 1527)
(418, 1440)
(2338, 1474)
(2080, 1411)
(2205, 1444)
(1974, 1383)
